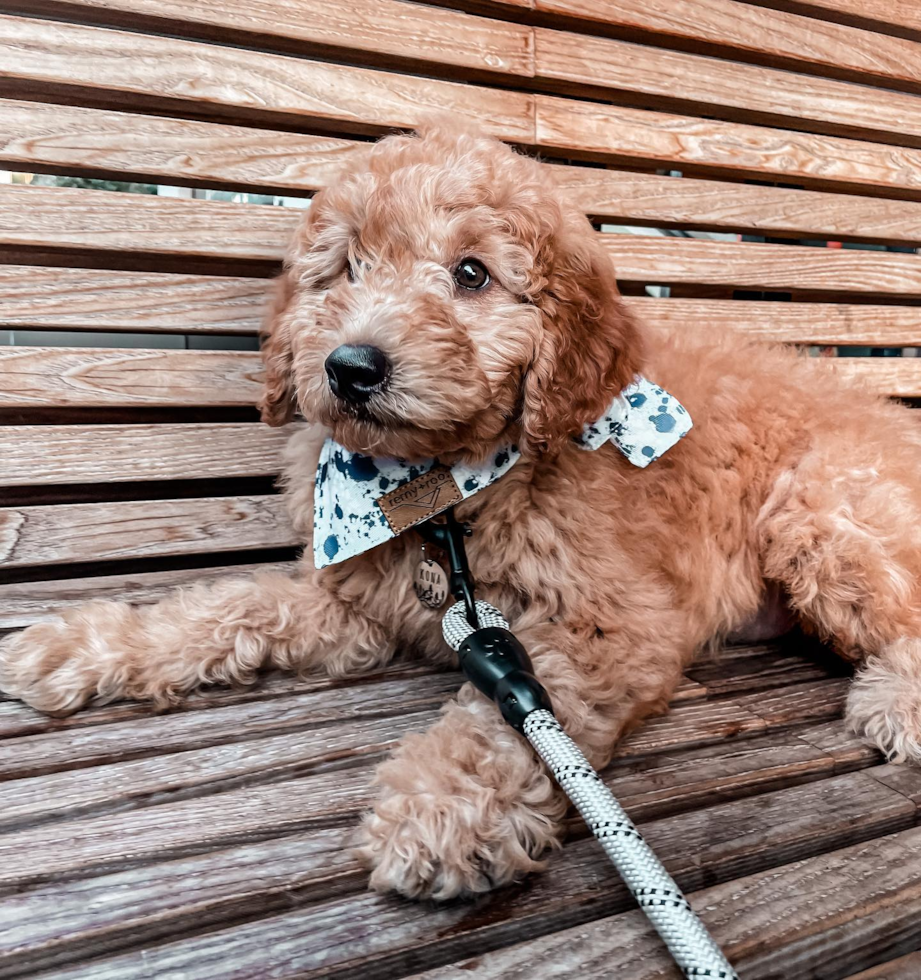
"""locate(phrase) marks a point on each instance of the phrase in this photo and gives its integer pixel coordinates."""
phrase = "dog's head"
(441, 297)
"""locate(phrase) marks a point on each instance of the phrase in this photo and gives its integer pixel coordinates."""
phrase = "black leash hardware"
(450, 538)
(491, 657)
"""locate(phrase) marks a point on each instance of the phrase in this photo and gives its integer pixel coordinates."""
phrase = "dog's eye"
(471, 274)
(349, 272)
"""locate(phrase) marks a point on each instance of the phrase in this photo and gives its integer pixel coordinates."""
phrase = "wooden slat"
(904, 968)
(374, 936)
(713, 205)
(48, 535)
(107, 143)
(92, 65)
(22, 604)
(584, 130)
(898, 17)
(186, 151)
(33, 934)
(654, 259)
(748, 31)
(74, 218)
(41, 454)
(78, 376)
(796, 323)
(120, 786)
(36, 298)
(371, 32)
(45, 929)
(818, 917)
(651, 78)
(179, 732)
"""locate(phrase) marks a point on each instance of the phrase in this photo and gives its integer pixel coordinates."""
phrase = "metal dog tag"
(430, 583)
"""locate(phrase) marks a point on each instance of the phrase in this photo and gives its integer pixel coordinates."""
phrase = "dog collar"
(362, 501)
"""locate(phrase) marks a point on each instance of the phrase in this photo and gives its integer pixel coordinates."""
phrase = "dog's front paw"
(428, 847)
(57, 666)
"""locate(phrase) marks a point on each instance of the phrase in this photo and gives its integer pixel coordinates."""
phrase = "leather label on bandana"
(420, 499)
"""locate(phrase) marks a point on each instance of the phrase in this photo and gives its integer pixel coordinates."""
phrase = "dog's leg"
(468, 805)
(210, 633)
(846, 544)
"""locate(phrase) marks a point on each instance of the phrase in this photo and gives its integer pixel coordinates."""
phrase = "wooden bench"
(213, 841)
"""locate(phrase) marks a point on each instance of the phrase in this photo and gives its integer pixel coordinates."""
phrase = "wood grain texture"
(374, 936)
(653, 259)
(47, 928)
(43, 454)
(76, 218)
(746, 31)
(898, 17)
(186, 151)
(117, 69)
(86, 376)
(813, 918)
(655, 78)
(49, 535)
(191, 152)
(794, 323)
(24, 603)
(367, 31)
(36, 298)
(584, 130)
(131, 784)
(904, 968)
(36, 933)
(724, 206)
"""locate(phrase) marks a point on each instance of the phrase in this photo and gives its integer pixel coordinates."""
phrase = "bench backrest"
(136, 464)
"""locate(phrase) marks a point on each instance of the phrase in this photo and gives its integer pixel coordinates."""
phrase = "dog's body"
(611, 575)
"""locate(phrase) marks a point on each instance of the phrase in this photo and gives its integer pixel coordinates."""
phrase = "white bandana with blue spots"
(643, 422)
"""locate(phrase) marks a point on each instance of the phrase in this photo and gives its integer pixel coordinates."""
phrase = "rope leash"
(496, 663)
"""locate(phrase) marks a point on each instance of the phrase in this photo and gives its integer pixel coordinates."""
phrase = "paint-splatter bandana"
(361, 502)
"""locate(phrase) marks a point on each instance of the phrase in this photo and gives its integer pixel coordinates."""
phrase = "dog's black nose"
(356, 371)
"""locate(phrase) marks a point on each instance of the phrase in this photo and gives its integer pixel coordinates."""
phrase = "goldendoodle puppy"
(443, 301)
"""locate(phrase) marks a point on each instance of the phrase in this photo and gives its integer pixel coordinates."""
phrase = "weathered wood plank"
(86, 376)
(54, 852)
(814, 918)
(173, 776)
(761, 671)
(796, 323)
(36, 298)
(376, 936)
(766, 36)
(71, 219)
(51, 926)
(742, 716)
(898, 17)
(112, 68)
(904, 968)
(641, 258)
(657, 78)
(24, 603)
(42, 454)
(584, 130)
(56, 534)
(187, 151)
(19, 719)
(713, 205)
(76, 219)
(98, 745)
(371, 32)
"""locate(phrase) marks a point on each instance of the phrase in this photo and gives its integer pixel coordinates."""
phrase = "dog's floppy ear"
(589, 348)
(277, 404)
